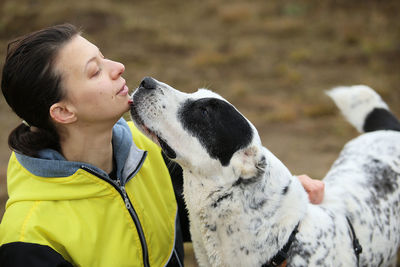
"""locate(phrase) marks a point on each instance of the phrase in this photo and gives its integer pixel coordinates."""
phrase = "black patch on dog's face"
(220, 128)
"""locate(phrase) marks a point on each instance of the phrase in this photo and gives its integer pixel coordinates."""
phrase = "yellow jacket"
(87, 218)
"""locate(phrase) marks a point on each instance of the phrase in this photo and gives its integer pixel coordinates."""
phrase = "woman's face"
(95, 90)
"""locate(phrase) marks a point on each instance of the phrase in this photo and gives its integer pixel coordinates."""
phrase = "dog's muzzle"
(147, 84)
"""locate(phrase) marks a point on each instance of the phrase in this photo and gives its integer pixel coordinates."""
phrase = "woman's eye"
(96, 73)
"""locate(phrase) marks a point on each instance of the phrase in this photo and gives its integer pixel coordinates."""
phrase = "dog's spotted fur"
(243, 202)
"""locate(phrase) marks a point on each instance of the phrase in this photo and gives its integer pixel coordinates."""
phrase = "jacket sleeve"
(176, 174)
(21, 254)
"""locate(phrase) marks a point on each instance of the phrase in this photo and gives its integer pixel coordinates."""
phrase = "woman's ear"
(62, 113)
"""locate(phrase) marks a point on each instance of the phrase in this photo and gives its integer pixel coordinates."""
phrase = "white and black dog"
(246, 208)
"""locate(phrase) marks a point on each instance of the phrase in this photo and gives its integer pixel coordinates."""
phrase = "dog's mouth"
(169, 152)
(166, 148)
(163, 144)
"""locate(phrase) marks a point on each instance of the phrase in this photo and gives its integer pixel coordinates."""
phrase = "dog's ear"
(249, 162)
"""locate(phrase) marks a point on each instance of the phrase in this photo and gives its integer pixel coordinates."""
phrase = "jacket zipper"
(121, 190)
(139, 165)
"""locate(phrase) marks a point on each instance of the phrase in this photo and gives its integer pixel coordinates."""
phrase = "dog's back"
(365, 179)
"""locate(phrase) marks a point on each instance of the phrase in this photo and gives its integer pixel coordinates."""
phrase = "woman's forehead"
(75, 54)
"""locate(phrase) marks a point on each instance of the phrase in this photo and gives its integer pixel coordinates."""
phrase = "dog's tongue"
(167, 149)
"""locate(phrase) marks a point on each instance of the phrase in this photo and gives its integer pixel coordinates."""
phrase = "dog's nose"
(148, 83)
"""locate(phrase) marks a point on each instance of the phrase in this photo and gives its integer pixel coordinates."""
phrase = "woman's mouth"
(123, 91)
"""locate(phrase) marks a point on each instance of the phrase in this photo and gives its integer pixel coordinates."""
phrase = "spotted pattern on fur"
(244, 203)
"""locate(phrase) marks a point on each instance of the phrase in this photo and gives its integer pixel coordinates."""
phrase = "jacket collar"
(129, 158)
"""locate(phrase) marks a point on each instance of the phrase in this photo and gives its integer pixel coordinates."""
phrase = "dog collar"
(280, 258)
(356, 244)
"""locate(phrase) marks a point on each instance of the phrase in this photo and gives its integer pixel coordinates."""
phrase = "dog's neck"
(265, 208)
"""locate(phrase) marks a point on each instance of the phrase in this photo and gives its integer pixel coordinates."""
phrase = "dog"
(247, 209)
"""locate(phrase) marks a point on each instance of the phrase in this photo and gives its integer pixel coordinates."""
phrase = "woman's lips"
(124, 90)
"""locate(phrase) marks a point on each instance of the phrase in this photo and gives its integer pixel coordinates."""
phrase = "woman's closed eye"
(96, 73)
(99, 69)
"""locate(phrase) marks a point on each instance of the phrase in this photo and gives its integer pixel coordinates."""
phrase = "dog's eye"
(204, 111)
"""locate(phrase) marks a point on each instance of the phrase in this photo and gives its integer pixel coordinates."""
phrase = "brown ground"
(272, 59)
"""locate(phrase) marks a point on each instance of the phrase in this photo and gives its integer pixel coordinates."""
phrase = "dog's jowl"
(246, 208)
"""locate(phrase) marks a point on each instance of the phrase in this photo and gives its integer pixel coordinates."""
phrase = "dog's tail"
(364, 108)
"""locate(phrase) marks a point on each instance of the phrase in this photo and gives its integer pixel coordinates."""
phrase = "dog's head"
(201, 131)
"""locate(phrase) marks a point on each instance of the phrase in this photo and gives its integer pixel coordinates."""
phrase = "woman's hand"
(314, 188)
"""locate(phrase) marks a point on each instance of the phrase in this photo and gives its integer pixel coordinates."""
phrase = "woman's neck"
(88, 144)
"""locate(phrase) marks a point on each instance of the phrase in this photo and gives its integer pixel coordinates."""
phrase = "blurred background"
(272, 59)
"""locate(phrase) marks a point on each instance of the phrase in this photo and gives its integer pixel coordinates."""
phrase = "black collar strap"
(356, 244)
(282, 254)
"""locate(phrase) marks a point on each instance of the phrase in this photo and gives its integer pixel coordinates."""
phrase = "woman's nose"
(117, 70)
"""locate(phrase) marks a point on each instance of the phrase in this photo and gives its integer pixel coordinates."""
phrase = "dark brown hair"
(30, 86)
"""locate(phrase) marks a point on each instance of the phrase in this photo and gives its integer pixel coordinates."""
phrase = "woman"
(85, 187)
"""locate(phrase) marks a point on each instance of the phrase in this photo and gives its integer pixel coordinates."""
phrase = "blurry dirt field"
(272, 59)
